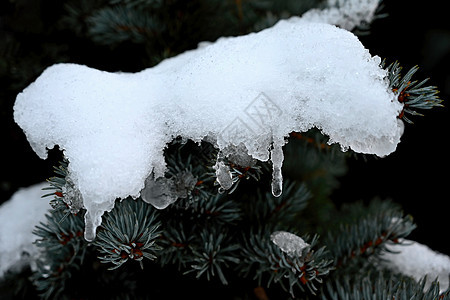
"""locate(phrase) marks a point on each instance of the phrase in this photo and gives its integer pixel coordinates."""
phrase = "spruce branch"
(364, 231)
(57, 184)
(116, 24)
(215, 209)
(383, 285)
(62, 251)
(243, 172)
(129, 232)
(188, 165)
(266, 208)
(138, 3)
(214, 254)
(197, 201)
(286, 207)
(270, 264)
(176, 241)
(66, 196)
(319, 168)
(412, 94)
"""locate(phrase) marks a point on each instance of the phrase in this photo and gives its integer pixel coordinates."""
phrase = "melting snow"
(250, 90)
(416, 260)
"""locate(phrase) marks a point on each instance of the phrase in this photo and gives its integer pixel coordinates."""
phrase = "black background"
(416, 175)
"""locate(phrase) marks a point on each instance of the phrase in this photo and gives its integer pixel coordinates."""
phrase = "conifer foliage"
(211, 243)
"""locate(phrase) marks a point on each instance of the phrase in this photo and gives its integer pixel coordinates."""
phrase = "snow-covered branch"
(250, 90)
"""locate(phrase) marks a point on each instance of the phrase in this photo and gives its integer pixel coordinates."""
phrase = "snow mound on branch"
(250, 90)
(416, 260)
(18, 217)
(289, 243)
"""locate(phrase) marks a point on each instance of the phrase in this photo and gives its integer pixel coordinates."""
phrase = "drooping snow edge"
(252, 90)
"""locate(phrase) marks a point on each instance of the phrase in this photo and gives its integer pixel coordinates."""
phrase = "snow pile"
(347, 14)
(250, 91)
(416, 260)
(18, 217)
(289, 243)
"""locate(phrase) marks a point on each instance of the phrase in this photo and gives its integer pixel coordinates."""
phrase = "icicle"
(91, 224)
(277, 157)
(223, 175)
(289, 243)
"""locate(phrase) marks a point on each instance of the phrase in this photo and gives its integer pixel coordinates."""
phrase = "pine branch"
(383, 285)
(267, 209)
(214, 254)
(138, 3)
(129, 232)
(270, 264)
(76, 14)
(212, 209)
(364, 231)
(57, 184)
(310, 160)
(197, 230)
(188, 165)
(116, 24)
(62, 252)
(176, 241)
(412, 94)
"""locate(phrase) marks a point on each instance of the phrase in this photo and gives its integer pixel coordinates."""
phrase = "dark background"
(416, 175)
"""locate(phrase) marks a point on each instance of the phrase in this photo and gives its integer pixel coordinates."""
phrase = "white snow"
(18, 217)
(250, 90)
(417, 260)
(347, 14)
(289, 243)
